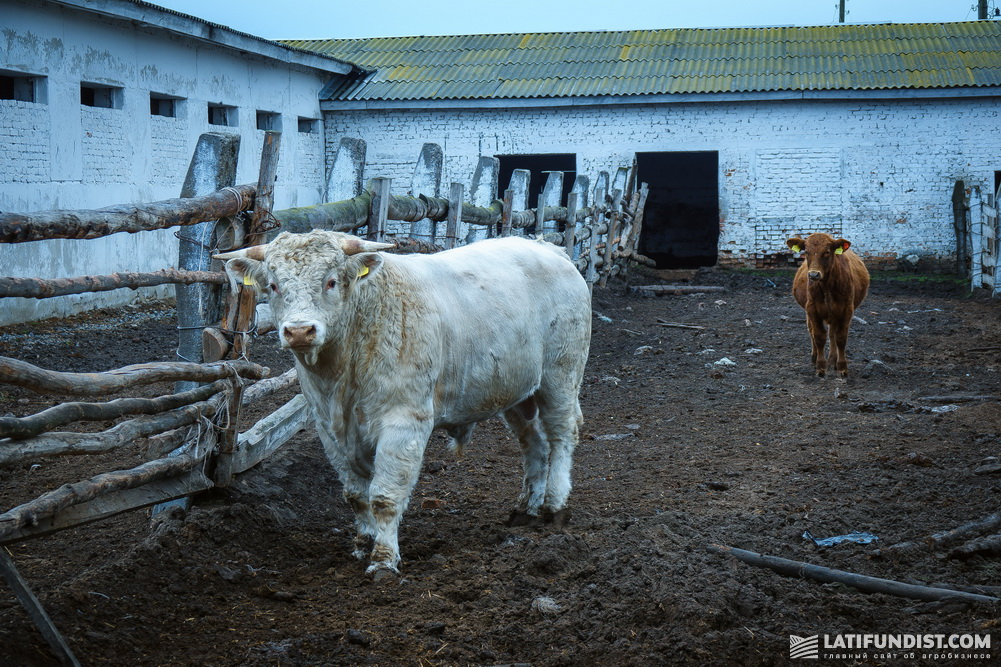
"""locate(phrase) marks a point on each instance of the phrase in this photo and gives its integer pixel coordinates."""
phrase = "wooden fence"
(194, 434)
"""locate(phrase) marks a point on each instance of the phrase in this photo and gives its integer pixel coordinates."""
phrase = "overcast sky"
(325, 19)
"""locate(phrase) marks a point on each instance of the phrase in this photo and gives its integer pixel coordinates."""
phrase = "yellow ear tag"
(795, 248)
(363, 271)
(248, 281)
(839, 251)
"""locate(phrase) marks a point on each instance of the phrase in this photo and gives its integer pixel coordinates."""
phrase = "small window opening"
(309, 125)
(20, 87)
(163, 105)
(104, 97)
(269, 120)
(221, 114)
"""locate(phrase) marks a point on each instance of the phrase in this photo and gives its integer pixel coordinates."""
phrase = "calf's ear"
(796, 244)
(841, 245)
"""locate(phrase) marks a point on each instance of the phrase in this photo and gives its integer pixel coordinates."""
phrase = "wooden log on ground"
(270, 433)
(987, 545)
(36, 611)
(92, 224)
(39, 288)
(861, 582)
(63, 444)
(676, 290)
(944, 539)
(59, 415)
(28, 376)
(68, 495)
(678, 325)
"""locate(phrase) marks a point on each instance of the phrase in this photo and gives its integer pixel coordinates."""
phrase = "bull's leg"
(523, 420)
(353, 475)
(398, 457)
(818, 336)
(561, 421)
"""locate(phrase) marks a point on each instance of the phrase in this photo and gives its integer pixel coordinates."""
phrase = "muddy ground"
(680, 450)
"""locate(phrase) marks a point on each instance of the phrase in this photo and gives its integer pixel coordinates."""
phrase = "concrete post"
(347, 170)
(427, 181)
(482, 193)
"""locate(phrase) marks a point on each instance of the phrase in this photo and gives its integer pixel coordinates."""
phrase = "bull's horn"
(253, 252)
(355, 246)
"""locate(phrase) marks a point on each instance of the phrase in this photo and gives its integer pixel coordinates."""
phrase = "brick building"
(745, 135)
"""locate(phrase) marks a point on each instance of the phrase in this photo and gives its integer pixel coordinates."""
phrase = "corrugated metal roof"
(647, 62)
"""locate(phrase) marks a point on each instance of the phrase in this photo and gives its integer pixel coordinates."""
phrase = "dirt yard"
(693, 436)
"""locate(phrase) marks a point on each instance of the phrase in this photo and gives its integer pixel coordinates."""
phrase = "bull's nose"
(814, 275)
(299, 335)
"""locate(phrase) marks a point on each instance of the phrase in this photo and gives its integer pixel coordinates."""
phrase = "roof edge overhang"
(153, 16)
(669, 98)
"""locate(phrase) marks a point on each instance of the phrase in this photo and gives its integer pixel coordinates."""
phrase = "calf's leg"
(818, 338)
(839, 341)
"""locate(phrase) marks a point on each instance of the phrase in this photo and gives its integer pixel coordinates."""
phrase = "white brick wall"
(880, 173)
(24, 142)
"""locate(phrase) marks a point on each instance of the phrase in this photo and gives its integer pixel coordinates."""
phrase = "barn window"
(101, 96)
(222, 114)
(269, 120)
(21, 87)
(164, 105)
(681, 216)
(309, 125)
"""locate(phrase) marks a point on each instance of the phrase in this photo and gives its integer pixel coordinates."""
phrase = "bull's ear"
(244, 267)
(245, 271)
(365, 265)
(796, 244)
(841, 245)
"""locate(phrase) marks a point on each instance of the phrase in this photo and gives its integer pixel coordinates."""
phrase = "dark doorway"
(540, 164)
(681, 217)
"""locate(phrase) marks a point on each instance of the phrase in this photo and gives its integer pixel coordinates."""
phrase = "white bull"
(390, 347)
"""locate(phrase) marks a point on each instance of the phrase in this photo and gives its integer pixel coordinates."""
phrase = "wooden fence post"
(570, 235)
(613, 227)
(380, 209)
(506, 211)
(426, 181)
(455, 194)
(255, 236)
(581, 186)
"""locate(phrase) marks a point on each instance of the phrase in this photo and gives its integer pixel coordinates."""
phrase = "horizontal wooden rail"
(60, 443)
(64, 413)
(40, 288)
(23, 374)
(92, 224)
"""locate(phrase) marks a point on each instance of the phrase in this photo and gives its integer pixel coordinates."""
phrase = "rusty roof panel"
(644, 62)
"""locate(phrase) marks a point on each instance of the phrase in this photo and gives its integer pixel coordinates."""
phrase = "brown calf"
(830, 284)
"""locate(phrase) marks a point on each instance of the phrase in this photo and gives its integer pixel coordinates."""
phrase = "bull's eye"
(273, 287)
(331, 283)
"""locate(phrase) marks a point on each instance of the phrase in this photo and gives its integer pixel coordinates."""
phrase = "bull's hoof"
(382, 572)
(519, 518)
(559, 518)
(821, 372)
